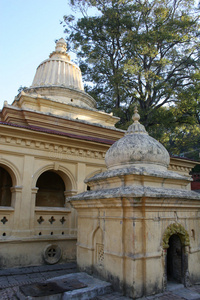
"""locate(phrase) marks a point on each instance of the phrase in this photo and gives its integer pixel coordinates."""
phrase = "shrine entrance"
(174, 259)
(176, 247)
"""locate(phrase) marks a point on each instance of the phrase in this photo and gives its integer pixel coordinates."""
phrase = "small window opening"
(193, 234)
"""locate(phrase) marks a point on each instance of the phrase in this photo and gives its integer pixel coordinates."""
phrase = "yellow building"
(51, 138)
(139, 224)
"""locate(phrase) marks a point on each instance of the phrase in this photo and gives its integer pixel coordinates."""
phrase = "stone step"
(76, 286)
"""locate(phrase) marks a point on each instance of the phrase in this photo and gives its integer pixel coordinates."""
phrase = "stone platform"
(12, 279)
(77, 286)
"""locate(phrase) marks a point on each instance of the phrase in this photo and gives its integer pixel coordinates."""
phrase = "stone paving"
(11, 279)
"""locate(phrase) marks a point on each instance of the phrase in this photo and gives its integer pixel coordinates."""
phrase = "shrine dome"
(59, 79)
(58, 70)
(138, 149)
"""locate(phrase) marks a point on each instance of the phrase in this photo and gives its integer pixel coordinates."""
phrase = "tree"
(188, 102)
(140, 52)
(184, 135)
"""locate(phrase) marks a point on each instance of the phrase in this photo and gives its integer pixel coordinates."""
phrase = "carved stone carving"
(178, 229)
(54, 151)
(52, 254)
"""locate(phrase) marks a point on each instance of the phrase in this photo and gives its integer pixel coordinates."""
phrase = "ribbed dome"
(60, 80)
(137, 148)
(58, 70)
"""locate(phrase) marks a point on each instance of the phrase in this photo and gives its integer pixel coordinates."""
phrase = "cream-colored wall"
(132, 239)
(26, 155)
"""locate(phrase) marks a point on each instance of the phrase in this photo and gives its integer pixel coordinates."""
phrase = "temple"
(139, 224)
(52, 138)
(138, 220)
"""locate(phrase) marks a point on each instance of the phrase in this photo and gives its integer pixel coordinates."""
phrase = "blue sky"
(28, 30)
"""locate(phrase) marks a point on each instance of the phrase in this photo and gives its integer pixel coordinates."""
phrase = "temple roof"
(58, 70)
(137, 148)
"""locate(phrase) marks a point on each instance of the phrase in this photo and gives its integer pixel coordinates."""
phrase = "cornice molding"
(179, 168)
(55, 150)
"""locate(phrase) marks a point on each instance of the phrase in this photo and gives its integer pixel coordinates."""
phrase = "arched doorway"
(51, 190)
(175, 245)
(5, 187)
(174, 259)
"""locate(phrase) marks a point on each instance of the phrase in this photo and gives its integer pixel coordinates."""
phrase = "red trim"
(70, 135)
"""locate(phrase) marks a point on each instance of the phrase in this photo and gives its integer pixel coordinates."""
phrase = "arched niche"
(9, 178)
(51, 190)
(64, 173)
(12, 170)
(51, 185)
(5, 187)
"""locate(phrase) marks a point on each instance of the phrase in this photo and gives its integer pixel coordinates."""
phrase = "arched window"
(5, 185)
(50, 190)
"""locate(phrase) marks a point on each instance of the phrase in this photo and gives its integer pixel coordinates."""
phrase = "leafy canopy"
(143, 52)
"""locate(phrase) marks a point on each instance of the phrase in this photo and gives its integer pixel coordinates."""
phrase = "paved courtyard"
(12, 279)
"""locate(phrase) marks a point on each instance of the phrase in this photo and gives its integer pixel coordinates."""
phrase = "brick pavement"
(11, 279)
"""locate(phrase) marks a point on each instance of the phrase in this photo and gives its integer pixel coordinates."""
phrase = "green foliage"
(144, 53)
(188, 102)
(184, 140)
(196, 169)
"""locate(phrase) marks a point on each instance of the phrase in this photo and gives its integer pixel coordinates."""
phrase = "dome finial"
(61, 46)
(136, 127)
(137, 149)
(136, 116)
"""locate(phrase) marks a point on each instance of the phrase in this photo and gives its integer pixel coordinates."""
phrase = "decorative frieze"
(55, 151)
(176, 168)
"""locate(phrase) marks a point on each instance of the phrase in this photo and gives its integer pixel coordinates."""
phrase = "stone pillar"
(32, 209)
(16, 203)
(72, 229)
(25, 204)
(81, 174)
